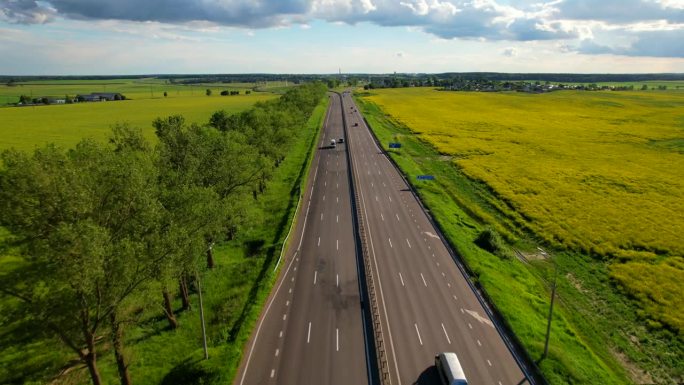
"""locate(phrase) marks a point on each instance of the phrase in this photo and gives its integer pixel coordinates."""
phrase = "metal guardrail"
(383, 367)
(381, 352)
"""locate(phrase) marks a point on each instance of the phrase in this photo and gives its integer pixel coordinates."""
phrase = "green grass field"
(233, 292)
(27, 127)
(146, 88)
(520, 163)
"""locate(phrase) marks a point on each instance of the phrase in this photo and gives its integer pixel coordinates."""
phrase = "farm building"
(100, 97)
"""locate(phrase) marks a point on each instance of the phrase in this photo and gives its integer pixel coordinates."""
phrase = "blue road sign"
(426, 177)
(394, 145)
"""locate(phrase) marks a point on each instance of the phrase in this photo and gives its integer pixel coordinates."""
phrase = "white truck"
(333, 143)
(450, 371)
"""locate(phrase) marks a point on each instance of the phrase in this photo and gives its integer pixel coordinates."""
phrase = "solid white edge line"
(308, 334)
(261, 322)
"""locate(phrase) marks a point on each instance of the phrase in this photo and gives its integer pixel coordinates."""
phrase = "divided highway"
(311, 330)
(426, 305)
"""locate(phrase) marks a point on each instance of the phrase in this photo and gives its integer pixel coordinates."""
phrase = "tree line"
(106, 228)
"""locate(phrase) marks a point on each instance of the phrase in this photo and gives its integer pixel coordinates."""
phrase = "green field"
(27, 127)
(146, 88)
(593, 177)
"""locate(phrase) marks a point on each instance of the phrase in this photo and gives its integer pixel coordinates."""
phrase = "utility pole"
(201, 306)
(553, 296)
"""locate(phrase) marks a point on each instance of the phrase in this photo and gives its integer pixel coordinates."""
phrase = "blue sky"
(62, 37)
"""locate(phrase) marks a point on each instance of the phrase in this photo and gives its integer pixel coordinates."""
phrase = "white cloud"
(646, 27)
(510, 52)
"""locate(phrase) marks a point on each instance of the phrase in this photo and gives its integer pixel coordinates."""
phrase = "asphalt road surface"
(426, 304)
(311, 330)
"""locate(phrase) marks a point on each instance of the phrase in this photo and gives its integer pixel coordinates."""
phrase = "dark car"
(341, 140)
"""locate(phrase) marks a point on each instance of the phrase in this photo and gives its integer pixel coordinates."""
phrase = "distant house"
(100, 97)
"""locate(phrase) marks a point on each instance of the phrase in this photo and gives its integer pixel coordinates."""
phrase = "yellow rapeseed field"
(598, 172)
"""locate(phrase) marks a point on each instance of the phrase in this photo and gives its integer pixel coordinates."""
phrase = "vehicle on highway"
(356, 124)
(341, 140)
(333, 143)
(449, 369)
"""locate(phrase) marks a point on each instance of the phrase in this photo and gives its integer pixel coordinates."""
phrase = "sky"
(100, 37)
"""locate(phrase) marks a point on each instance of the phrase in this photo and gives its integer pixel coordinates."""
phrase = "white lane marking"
(272, 373)
(479, 343)
(338, 280)
(446, 335)
(281, 334)
(382, 216)
(390, 198)
(308, 334)
(402, 280)
(295, 269)
(277, 352)
(292, 279)
(376, 199)
(323, 197)
(315, 276)
(390, 241)
(470, 325)
(287, 303)
(337, 185)
(448, 284)
(337, 218)
(418, 333)
(321, 216)
(372, 184)
(337, 244)
(424, 283)
(437, 264)
(383, 184)
(429, 234)
(397, 215)
(325, 184)
(337, 339)
(480, 318)
(338, 199)
(284, 317)
(409, 243)
(319, 241)
(290, 291)
(489, 363)
(443, 275)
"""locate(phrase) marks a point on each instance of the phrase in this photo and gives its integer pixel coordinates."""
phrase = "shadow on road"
(429, 376)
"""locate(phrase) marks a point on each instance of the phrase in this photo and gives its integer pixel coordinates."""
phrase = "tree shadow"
(189, 372)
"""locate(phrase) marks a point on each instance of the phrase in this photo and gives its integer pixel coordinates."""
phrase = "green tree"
(208, 92)
(83, 217)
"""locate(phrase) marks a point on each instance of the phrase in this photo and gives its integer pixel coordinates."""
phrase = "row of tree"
(106, 228)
